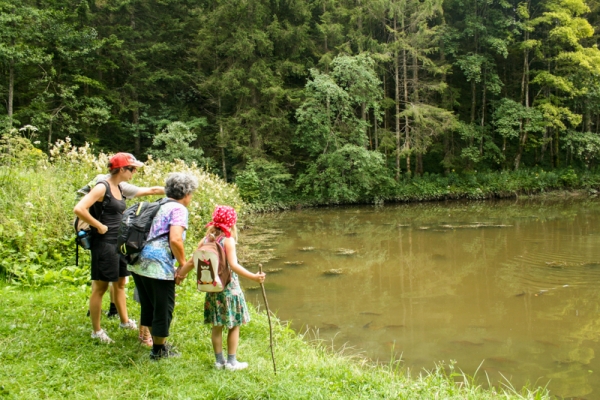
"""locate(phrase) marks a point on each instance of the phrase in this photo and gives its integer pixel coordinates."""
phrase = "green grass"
(46, 352)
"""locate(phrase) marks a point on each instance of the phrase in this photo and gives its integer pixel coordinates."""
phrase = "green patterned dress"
(227, 308)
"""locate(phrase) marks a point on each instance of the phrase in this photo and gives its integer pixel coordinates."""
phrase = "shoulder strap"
(105, 200)
(220, 240)
(162, 201)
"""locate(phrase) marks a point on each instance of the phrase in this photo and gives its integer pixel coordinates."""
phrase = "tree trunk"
(222, 141)
(255, 139)
(524, 99)
(50, 134)
(224, 165)
(397, 101)
(11, 89)
(556, 150)
(363, 116)
(473, 102)
(406, 122)
(375, 130)
(482, 123)
(137, 146)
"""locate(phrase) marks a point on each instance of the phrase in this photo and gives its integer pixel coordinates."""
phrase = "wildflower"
(29, 205)
(28, 128)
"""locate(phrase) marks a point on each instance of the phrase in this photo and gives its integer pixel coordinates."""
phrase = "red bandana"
(224, 217)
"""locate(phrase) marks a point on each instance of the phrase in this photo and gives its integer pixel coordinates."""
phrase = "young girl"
(227, 308)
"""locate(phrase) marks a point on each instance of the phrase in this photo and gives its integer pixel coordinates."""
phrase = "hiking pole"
(262, 286)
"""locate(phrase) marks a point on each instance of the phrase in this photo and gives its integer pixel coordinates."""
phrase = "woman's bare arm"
(82, 209)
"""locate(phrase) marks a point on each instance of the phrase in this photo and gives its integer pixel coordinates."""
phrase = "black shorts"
(107, 264)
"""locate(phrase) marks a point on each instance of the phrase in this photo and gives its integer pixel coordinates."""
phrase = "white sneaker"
(131, 325)
(237, 366)
(102, 336)
(219, 365)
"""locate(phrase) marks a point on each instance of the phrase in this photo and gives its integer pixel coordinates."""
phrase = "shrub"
(36, 209)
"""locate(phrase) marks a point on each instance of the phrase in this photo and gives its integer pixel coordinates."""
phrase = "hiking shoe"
(112, 314)
(167, 352)
(130, 325)
(102, 336)
(237, 366)
(219, 365)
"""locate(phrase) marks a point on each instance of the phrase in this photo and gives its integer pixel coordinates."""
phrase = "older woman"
(154, 274)
(106, 266)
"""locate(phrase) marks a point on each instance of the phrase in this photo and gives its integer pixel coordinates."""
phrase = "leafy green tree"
(327, 119)
(347, 175)
(21, 45)
(174, 143)
(264, 181)
(564, 65)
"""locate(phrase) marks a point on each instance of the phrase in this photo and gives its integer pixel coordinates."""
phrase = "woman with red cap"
(227, 308)
(105, 259)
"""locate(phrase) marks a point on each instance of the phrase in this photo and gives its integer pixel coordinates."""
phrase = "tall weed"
(37, 199)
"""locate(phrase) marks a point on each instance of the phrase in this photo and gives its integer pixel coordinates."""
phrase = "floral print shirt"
(156, 260)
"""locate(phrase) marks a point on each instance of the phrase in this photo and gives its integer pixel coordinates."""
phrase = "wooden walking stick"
(262, 286)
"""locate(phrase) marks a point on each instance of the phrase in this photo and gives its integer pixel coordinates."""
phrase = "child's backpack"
(211, 265)
(135, 227)
(83, 231)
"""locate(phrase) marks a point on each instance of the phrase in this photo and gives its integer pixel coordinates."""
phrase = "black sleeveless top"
(111, 216)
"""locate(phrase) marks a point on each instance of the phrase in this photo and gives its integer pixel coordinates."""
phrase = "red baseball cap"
(120, 160)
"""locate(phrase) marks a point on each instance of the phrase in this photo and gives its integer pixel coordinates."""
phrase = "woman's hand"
(102, 229)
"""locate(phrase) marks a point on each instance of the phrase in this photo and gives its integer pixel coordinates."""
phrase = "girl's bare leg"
(217, 339)
(233, 338)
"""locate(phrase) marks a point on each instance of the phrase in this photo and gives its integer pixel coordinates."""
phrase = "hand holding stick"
(262, 286)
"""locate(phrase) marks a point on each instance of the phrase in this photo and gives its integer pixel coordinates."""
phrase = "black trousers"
(157, 298)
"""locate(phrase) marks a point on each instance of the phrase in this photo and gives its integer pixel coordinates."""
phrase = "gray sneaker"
(219, 365)
(237, 366)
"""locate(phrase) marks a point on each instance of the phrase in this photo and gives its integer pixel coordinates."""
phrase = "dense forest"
(304, 95)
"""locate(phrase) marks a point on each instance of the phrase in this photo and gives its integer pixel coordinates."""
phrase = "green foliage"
(174, 143)
(16, 150)
(289, 82)
(36, 208)
(264, 182)
(350, 174)
(585, 145)
(327, 120)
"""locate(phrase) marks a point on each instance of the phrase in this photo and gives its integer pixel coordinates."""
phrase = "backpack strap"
(162, 202)
(105, 200)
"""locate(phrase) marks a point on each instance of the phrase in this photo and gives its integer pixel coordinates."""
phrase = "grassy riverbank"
(46, 352)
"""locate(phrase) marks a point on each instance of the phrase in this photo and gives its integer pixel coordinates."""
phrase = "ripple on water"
(537, 272)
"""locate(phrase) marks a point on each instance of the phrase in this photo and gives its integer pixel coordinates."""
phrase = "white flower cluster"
(212, 191)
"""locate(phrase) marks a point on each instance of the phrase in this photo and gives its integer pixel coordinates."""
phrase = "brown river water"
(510, 290)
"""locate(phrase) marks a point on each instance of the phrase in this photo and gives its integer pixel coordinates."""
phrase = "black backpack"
(83, 231)
(135, 227)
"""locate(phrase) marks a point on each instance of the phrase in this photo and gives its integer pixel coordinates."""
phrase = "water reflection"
(514, 285)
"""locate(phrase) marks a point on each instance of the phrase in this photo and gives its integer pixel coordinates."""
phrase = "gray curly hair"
(178, 185)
